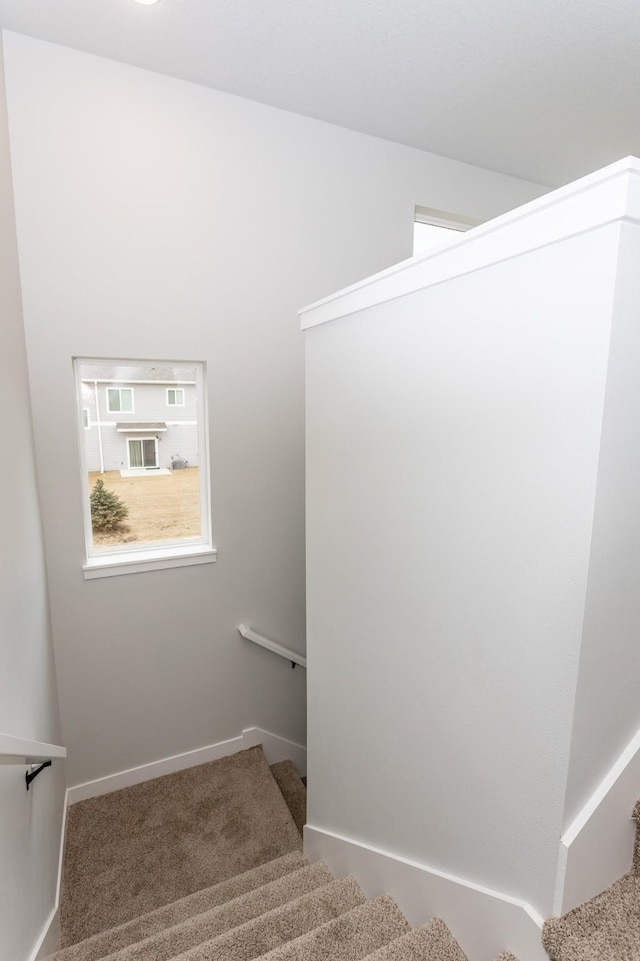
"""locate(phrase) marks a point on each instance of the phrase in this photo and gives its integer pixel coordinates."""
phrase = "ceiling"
(546, 90)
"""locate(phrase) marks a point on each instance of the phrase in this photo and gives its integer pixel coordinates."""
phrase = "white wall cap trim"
(610, 195)
(20, 750)
(138, 562)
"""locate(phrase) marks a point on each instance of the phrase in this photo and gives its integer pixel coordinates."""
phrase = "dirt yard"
(161, 507)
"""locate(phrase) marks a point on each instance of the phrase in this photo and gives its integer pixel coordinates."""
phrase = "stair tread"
(282, 924)
(211, 924)
(293, 790)
(432, 941)
(141, 847)
(606, 928)
(354, 935)
(505, 956)
(147, 925)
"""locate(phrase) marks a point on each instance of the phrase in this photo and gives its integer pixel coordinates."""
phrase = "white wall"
(454, 463)
(160, 219)
(30, 823)
(607, 704)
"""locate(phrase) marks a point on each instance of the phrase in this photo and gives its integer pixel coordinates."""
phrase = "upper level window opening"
(435, 228)
(145, 479)
(119, 398)
(175, 397)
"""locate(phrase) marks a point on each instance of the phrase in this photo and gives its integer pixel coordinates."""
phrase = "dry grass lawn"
(161, 507)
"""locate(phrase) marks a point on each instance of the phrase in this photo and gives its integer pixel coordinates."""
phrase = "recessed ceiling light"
(146, 1)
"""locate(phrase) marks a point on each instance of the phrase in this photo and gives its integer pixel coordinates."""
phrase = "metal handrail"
(273, 646)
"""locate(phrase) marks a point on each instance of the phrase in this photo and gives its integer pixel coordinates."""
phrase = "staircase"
(283, 908)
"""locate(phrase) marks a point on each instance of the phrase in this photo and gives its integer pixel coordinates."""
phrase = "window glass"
(119, 398)
(175, 397)
(145, 476)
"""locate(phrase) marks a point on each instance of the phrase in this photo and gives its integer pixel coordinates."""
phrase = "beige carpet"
(224, 895)
(206, 865)
(293, 790)
(135, 850)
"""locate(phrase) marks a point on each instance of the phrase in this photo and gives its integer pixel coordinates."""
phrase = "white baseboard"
(485, 922)
(597, 847)
(275, 748)
(146, 772)
(49, 941)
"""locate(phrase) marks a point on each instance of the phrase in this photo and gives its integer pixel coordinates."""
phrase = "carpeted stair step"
(293, 790)
(147, 925)
(276, 927)
(354, 935)
(432, 941)
(211, 924)
(505, 956)
(137, 849)
(606, 928)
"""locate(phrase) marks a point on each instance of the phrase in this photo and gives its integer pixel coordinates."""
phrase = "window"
(435, 228)
(143, 452)
(145, 480)
(119, 399)
(175, 396)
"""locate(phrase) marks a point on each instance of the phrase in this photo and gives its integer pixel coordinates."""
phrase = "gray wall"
(160, 219)
(29, 823)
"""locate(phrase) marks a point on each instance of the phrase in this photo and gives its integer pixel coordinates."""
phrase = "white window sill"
(135, 562)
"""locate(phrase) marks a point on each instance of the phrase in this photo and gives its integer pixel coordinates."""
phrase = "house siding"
(149, 405)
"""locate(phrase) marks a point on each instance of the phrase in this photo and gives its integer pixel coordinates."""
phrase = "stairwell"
(282, 908)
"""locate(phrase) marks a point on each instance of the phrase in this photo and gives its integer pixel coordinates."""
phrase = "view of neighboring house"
(138, 418)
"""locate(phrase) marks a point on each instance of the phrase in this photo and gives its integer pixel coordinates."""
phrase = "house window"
(175, 397)
(435, 228)
(145, 480)
(143, 453)
(119, 399)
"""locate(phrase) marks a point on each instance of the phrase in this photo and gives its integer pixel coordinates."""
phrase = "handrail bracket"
(31, 775)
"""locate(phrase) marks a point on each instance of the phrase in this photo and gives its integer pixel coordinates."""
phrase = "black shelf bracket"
(30, 775)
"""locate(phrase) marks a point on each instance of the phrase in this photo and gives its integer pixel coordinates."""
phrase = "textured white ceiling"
(546, 90)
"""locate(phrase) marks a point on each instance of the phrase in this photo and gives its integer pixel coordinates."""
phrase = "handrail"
(276, 648)
(20, 750)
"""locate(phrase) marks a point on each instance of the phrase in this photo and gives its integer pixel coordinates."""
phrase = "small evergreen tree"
(107, 510)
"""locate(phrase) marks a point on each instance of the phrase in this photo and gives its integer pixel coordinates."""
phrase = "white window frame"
(125, 559)
(440, 218)
(175, 391)
(120, 410)
(430, 217)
